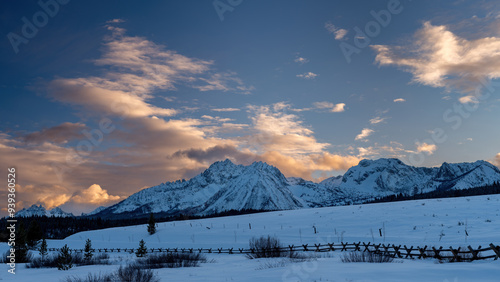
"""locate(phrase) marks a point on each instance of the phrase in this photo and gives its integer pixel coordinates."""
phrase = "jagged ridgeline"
(226, 186)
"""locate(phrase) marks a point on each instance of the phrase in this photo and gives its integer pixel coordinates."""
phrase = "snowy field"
(436, 222)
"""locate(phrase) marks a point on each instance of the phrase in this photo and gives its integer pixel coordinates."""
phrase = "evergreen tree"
(64, 260)
(21, 248)
(88, 250)
(43, 249)
(152, 225)
(34, 234)
(141, 251)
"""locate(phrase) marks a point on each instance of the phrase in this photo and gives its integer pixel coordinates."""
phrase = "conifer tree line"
(62, 227)
(450, 193)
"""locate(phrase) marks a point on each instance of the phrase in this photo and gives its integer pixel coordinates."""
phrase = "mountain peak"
(260, 186)
(40, 210)
(218, 165)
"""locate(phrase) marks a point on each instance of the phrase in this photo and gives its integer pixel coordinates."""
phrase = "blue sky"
(181, 84)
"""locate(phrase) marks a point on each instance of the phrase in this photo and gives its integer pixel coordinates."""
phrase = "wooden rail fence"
(397, 251)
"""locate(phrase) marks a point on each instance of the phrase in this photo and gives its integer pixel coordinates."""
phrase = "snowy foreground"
(437, 222)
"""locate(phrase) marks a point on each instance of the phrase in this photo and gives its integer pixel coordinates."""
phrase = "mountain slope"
(226, 186)
(223, 186)
(35, 210)
(259, 187)
(390, 176)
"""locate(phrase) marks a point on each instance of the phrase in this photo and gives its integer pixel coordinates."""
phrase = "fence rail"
(396, 251)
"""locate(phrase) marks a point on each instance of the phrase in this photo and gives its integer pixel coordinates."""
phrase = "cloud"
(334, 108)
(96, 98)
(323, 105)
(94, 195)
(338, 108)
(225, 82)
(133, 69)
(328, 161)
(364, 134)
(391, 150)
(426, 148)
(53, 201)
(439, 58)
(469, 99)
(216, 153)
(218, 119)
(307, 75)
(399, 100)
(58, 134)
(304, 166)
(36, 163)
(377, 120)
(301, 60)
(338, 32)
(277, 130)
(115, 21)
(225, 110)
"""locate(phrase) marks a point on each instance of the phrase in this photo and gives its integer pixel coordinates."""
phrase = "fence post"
(366, 247)
(396, 251)
(317, 247)
(331, 246)
(474, 252)
(357, 246)
(496, 249)
(455, 258)
(344, 246)
(408, 251)
(422, 252)
(436, 252)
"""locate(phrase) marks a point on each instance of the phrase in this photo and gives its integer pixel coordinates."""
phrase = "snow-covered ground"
(436, 222)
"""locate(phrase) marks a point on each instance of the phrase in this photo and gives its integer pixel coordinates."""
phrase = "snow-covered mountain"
(223, 186)
(390, 176)
(35, 210)
(317, 194)
(97, 210)
(226, 186)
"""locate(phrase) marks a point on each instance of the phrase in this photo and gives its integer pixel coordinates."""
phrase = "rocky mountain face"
(223, 186)
(390, 176)
(35, 210)
(226, 186)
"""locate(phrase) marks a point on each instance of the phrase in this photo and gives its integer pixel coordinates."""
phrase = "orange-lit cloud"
(334, 108)
(134, 68)
(305, 166)
(439, 58)
(94, 195)
(58, 134)
(426, 148)
(364, 134)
